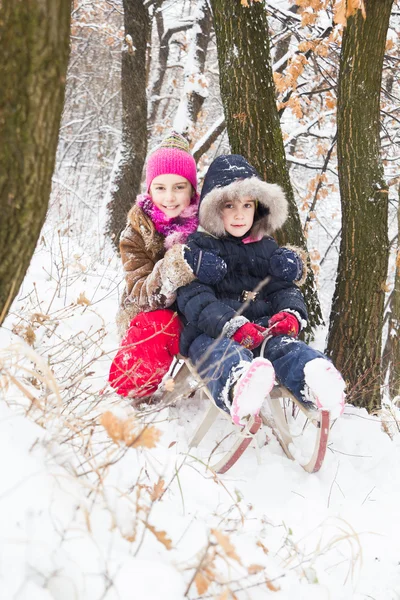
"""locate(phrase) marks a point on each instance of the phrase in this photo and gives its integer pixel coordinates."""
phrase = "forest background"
(308, 93)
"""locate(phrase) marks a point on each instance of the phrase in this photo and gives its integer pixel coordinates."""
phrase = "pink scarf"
(177, 229)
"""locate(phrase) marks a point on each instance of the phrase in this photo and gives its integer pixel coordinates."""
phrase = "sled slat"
(233, 455)
(319, 418)
(211, 415)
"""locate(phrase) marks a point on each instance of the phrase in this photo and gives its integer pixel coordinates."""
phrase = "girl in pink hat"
(156, 262)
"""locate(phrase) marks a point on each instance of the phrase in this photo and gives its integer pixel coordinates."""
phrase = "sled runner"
(289, 420)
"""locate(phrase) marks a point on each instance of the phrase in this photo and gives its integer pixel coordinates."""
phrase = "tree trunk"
(194, 84)
(248, 95)
(356, 320)
(132, 154)
(391, 353)
(34, 49)
(201, 40)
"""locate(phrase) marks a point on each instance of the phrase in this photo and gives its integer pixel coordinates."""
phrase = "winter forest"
(103, 501)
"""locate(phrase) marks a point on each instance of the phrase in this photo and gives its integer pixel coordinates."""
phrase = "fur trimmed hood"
(230, 177)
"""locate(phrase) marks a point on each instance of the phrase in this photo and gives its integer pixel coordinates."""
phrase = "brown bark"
(34, 49)
(127, 179)
(391, 353)
(202, 38)
(357, 313)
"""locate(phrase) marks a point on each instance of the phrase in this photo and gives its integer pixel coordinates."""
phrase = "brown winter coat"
(152, 274)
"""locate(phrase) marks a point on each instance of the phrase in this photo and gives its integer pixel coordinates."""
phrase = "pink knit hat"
(172, 157)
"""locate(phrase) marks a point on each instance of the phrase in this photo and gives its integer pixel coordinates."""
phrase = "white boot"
(324, 386)
(251, 389)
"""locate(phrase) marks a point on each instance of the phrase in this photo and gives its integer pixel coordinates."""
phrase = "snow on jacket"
(221, 309)
(152, 274)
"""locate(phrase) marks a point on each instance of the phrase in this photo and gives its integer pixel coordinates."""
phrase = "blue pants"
(215, 359)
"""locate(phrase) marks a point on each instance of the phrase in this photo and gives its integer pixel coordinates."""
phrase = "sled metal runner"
(275, 418)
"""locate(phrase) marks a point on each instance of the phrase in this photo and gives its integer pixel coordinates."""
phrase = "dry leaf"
(263, 548)
(202, 583)
(158, 489)
(347, 8)
(126, 430)
(39, 318)
(113, 426)
(160, 535)
(305, 46)
(82, 299)
(171, 444)
(224, 595)
(29, 335)
(272, 587)
(147, 438)
(225, 543)
(253, 569)
(169, 385)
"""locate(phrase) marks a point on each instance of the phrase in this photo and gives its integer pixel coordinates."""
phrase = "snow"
(74, 503)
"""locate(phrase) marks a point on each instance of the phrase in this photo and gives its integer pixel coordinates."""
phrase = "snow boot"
(251, 389)
(324, 386)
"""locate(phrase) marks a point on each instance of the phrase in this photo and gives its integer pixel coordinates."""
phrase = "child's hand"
(208, 267)
(286, 264)
(283, 323)
(250, 335)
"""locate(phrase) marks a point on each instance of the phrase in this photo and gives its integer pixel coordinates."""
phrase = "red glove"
(283, 323)
(250, 335)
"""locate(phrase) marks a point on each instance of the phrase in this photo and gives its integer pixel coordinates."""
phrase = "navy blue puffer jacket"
(207, 309)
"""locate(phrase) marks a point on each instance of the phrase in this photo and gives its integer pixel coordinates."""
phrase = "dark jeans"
(215, 359)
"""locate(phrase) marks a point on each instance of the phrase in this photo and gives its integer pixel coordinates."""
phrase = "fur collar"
(272, 206)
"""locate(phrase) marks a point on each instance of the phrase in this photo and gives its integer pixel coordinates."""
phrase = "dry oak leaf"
(202, 583)
(253, 569)
(29, 335)
(82, 299)
(113, 426)
(272, 587)
(347, 8)
(157, 490)
(126, 430)
(39, 318)
(147, 438)
(160, 535)
(225, 543)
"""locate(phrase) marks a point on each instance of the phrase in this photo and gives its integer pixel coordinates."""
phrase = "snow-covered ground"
(88, 518)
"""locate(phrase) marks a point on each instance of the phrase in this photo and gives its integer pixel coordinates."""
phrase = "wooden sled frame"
(276, 420)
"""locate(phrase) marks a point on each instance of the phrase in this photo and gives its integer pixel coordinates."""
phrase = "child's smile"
(171, 194)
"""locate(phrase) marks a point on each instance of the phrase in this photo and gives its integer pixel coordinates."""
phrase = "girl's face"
(238, 216)
(171, 194)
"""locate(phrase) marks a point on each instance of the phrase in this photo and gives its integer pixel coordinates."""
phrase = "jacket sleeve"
(151, 285)
(290, 264)
(201, 308)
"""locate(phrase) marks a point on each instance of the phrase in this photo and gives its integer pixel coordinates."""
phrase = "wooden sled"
(282, 404)
(281, 408)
